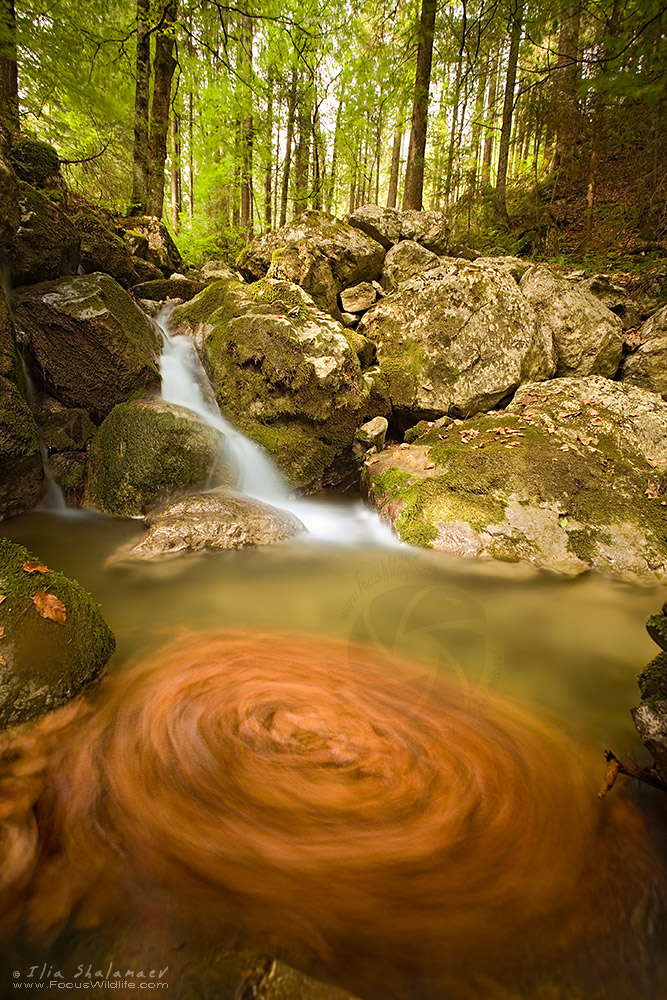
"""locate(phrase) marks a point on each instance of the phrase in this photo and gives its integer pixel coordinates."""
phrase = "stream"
(379, 764)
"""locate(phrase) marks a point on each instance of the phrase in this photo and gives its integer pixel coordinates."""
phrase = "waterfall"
(185, 383)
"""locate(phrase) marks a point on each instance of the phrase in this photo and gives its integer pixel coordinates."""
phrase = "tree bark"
(176, 190)
(289, 138)
(487, 158)
(165, 64)
(567, 79)
(9, 77)
(245, 66)
(302, 154)
(508, 109)
(414, 172)
(392, 194)
(140, 155)
(268, 153)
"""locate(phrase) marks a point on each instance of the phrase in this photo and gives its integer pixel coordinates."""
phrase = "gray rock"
(588, 337)
(317, 252)
(430, 229)
(216, 519)
(46, 244)
(614, 298)
(405, 260)
(358, 298)
(512, 266)
(647, 367)
(91, 343)
(656, 326)
(457, 339)
(214, 270)
(349, 319)
(370, 436)
(161, 251)
(381, 224)
(136, 242)
(102, 250)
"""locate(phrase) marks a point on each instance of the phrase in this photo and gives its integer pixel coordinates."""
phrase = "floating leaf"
(48, 606)
(35, 567)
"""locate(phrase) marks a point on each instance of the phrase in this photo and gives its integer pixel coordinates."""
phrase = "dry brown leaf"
(652, 462)
(35, 567)
(2, 631)
(596, 422)
(652, 490)
(48, 606)
(3, 597)
(428, 387)
(3, 661)
(430, 465)
(564, 447)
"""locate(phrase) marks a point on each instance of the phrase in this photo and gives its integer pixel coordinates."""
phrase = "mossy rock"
(285, 373)
(35, 162)
(160, 250)
(9, 208)
(67, 430)
(46, 244)
(148, 451)
(102, 250)
(43, 663)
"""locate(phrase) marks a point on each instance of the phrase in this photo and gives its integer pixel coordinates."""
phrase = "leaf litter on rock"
(48, 606)
(35, 567)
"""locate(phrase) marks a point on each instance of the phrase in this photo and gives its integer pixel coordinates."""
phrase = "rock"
(136, 243)
(147, 451)
(382, 224)
(37, 163)
(317, 252)
(404, 260)
(614, 298)
(102, 250)
(285, 373)
(216, 519)
(514, 267)
(161, 251)
(457, 339)
(21, 468)
(655, 328)
(92, 345)
(69, 470)
(588, 337)
(363, 348)
(349, 319)
(379, 400)
(650, 717)
(370, 436)
(563, 479)
(647, 367)
(146, 272)
(177, 287)
(214, 270)
(44, 663)
(46, 244)
(358, 298)
(10, 213)
(67, 430)
(463, 252)
(430, 229)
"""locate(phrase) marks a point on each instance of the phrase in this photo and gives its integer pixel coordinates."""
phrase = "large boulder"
(650, 717)
(317, 252)
(614, 297)
(457, 339)
(54, 641)
(430, 229)
(46, 244)
(655, 328)
(285, 373)
(103, 250)
(216, 519)
(21, 469)
(382, 224)
(572, 475)
(37, 163)
(647, 367)
(405, 260)
(160, 249)
(66, 434)
(91, 344)
(587, 336)
(10, 213)
(147, 451)
(176, 287)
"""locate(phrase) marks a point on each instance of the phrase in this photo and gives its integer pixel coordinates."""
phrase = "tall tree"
(414, 171)
(140, 155)
(516, 19)
(9, 87)
(567, 78)
(165, 65)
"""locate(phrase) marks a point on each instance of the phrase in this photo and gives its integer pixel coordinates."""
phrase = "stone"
(349, 319)
(147, 451)
(379, 400)
(102, 250)
(514, 267)
(136, 242)
(46, 244)
(176, 287)
(69, 470)
(570, 476)
(463, 252)
(214, 270)
(650, 717)
(10, 212)
(655, 326)
(363, 347)
(588, 337)
(317, 252)
(146, 272)
(370, 436)
(161, 250)
(430, 229)
(36, 162)
(405, 260)
(285, 373)
(358, 298)
(647, 367)
(21, 467)
(45, 663)
(91, 344)
(67, 430)
(456, 339)
(216, 519)
(614, 298)
(382, 224)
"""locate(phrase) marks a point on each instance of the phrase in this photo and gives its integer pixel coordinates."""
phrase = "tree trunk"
(508, 109)
(289, 137)
(268, 164)
(476, 131)
(392, 195)
(414, 172)
(140, 156)
(331, 191)
(245, 73)
(302, 154)
(489, 123)
(9, 78)
(176, 193)
(191, 156)
(567, 79)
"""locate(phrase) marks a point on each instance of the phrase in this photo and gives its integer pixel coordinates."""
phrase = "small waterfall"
(184, 383)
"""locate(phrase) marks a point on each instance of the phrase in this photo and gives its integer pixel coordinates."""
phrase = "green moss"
(582, 542)
(653, 678)
(419, 430)
(68, 430)
(47, 663)
(21, 472)
(34, 161)
(656, 627)
(270, 291)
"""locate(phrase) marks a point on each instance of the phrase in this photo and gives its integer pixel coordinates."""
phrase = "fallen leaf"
(48, 606)
(35, 567)
(2, 631)
(3, 661)
(3, 597)
(371, 461)
(430, 465)
(652, 491)
(428, 387)
(596, 422)
(404, 445)
(584, 440)
(564, 447)
(396, 454)
(652, 462)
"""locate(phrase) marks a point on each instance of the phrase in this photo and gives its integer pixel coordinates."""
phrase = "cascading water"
(184, 383)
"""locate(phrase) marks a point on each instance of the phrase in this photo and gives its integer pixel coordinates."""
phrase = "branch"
(87, 159)
(615, 767)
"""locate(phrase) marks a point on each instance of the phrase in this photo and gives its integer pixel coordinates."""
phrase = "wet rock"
(216, 519)
(46, 245)
(317, 252)
(161, 251)
(92, 345)
(456, 339)
(102, 250)
(67, 430)
(404, 260)
(69, 470)
(176, 287)
(147, 451)
(44, 663)
(588, 337)
(285, 372)
(382, 224)
(647, 366)
(650, 717)
(572, 475)
(359, 298)
(430, 229)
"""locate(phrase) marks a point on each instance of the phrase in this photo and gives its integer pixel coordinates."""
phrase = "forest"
(539, 126)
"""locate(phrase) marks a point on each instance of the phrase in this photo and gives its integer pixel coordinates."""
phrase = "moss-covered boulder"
(148, 451)
(650, 717)
(321, 254)
(177, 287)
(53, 639)
(160, 250)
(92, 345)
(457, 339)
(66, 435)
(36, 162)
(647, 367)
(21, 471)
(572, 475)
(587, 336)
(103, 250)
(10, 213)
(285, 373)
(46, 245)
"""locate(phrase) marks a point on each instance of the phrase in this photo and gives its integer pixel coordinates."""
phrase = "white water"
(184, 383)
